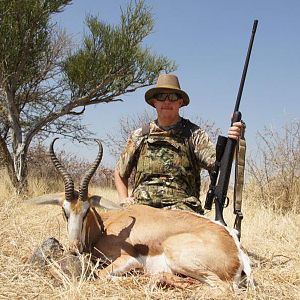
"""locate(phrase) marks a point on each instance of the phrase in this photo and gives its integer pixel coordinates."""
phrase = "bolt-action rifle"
(225, 149)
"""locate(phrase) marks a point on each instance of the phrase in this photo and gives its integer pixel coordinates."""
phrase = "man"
(168, 154)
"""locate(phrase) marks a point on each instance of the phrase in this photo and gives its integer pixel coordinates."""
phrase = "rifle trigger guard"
(226, 203)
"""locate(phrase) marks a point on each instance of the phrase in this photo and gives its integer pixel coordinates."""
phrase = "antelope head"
(76, 205)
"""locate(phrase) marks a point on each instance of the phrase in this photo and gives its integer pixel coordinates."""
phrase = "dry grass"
(271, 240)
(274, 169)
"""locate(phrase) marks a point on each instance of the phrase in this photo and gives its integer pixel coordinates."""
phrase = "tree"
(45, 86)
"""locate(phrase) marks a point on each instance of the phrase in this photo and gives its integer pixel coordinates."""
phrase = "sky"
(208, 40)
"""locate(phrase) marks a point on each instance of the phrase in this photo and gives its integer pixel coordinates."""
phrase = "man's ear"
(98, 201)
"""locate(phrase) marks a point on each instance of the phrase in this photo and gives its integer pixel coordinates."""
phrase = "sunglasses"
(170, 96)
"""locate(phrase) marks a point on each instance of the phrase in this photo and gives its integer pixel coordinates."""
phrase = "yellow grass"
(271, 240)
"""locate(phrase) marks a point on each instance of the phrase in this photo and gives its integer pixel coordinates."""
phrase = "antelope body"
(142, 237)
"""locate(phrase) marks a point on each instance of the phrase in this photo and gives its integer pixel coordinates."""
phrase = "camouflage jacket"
(168, 164)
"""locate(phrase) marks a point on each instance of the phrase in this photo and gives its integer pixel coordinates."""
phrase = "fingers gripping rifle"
(225, 149)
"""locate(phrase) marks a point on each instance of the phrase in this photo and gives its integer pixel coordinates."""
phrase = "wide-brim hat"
(167, 83)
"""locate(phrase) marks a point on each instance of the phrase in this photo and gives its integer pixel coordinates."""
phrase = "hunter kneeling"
(168, 154)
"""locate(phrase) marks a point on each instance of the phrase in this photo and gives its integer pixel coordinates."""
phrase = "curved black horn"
(83, 190)
(68, 181)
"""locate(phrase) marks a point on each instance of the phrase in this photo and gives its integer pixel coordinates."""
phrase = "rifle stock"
(220, 147)
(225, 150)
(224, 176)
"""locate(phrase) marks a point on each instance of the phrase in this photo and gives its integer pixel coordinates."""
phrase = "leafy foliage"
(45, 84)
(112, 58)
(25, 40)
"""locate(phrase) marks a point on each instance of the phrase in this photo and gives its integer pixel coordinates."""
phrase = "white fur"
(244, 259)
(132, 263)
(154, 264)
(75, 220)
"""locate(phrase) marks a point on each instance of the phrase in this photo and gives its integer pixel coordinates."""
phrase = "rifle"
(225, 149)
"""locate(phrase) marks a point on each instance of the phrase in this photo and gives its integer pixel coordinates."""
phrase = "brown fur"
(170, 241)
(142, 230)
(76, 206)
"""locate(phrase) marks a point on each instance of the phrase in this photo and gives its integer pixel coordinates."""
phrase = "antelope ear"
(54, 199)
(99, 201)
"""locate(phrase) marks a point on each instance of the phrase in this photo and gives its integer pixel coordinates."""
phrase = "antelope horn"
(83, 190)
(68, 181)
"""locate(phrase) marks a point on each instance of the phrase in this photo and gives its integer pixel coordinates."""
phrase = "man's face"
(167, 105)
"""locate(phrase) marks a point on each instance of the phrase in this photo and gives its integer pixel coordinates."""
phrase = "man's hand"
(234, 131)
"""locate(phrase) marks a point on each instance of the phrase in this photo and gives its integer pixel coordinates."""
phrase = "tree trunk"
(16, 168)
(20, 173)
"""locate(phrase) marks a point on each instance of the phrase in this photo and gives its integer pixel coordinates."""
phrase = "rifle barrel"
(240, 92)
(220, 190)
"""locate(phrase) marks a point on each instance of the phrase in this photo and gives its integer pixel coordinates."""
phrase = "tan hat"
(167, 83)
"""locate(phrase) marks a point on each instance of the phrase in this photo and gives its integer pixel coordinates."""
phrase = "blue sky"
(208, 40)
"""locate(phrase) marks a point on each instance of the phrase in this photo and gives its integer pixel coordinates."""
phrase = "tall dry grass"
(272, 240)
(274, 170)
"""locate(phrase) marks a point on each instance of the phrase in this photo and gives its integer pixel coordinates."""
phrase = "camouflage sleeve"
(205, 150)
(128, 159)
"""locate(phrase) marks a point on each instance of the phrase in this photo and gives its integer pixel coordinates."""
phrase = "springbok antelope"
(158, 241)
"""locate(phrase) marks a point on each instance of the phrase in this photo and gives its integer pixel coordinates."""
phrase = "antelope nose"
(75, 246)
